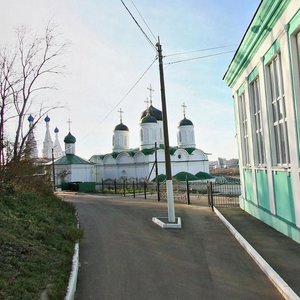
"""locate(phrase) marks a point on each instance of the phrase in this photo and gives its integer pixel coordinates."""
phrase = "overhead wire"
(129, 91)
(198, 57)
(144, 20)
(200, 50)
(139, 26)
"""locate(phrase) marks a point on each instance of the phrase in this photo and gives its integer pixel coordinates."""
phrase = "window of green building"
(256, 118)
(278, 111)
(244, 129)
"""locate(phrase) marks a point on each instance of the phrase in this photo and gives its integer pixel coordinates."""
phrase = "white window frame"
(278, 116)
(257, 123)
(244, 129)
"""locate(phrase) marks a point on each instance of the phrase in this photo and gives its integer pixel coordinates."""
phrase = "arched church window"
(141, 134)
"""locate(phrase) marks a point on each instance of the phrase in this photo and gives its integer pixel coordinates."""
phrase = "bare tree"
(23, 73)
(6, 93)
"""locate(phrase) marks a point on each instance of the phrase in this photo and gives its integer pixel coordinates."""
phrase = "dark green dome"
(148, 119)
(185, 122)
(122, 127)
(70, 139)
(154, 112)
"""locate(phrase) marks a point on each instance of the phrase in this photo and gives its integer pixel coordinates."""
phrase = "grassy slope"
(37, 235)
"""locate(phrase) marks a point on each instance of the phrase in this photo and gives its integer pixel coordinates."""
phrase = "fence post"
(145, 190)
(133, 188)
(124, 188)
(210, 195)
(188, 191)
(158, 191)
(102, 184)
(115, 183)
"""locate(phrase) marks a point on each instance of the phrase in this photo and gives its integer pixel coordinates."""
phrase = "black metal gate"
(223, 194)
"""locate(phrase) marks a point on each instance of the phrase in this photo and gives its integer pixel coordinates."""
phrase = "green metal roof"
(71, 159)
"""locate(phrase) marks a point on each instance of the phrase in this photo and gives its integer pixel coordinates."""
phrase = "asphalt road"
(124, 255)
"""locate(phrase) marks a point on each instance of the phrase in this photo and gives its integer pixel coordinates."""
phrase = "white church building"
(124, 162)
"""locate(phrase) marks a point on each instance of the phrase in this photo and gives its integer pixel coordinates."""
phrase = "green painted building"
(264, 76)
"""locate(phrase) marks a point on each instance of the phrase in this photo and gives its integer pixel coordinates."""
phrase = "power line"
(136, 22)
(143, 20)
(199, 57)
(200, 50)
(129, 91)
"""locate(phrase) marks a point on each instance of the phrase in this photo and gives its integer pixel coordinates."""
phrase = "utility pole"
(169, 183)
(156, 173)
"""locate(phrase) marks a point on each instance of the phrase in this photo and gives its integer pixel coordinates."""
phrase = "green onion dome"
(185, 122)
(121, 127)
(154, 112)
(148, 119)
(70, 139)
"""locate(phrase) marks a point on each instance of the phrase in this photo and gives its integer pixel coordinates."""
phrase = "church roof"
(70, 139)
(71, 159)
(146, 151)
(148, 119)
(121, 127)
(185, 122)
(47, 119)
(154, 112)
(56, 130)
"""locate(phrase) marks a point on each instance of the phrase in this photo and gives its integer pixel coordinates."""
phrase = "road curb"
(74, 274)
(278, 282)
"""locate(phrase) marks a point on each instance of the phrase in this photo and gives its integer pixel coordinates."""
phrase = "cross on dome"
(147, 102)
(121, 112)
(184, 108)
(150, 90)
(69, 121)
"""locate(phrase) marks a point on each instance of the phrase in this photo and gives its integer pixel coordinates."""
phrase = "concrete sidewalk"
(279, 251)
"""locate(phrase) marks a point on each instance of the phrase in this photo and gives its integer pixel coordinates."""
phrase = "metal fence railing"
(188, 192)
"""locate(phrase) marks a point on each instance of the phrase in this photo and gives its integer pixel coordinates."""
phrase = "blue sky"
(108, 53)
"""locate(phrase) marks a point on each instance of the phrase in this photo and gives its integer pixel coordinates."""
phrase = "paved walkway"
(124, 255)
(281, 252)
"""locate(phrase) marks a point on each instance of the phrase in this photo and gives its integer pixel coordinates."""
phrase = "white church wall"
(139, 157)
(71, 173)
(83, 173)
(123, 158)
(109, 160)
